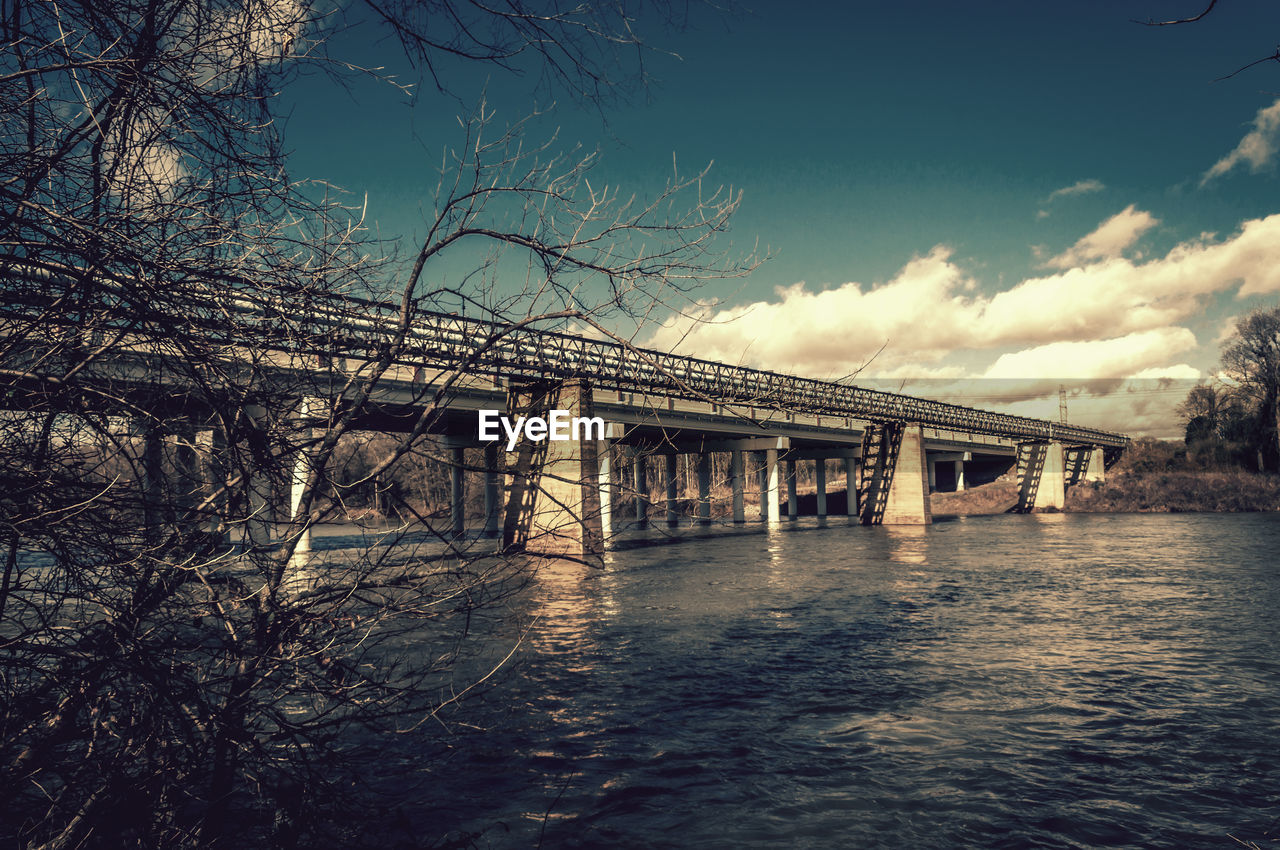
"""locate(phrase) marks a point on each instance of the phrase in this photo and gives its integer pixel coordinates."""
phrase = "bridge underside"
(560, 497)
(570, 507)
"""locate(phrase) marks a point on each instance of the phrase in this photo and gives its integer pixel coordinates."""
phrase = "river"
(1012, 681)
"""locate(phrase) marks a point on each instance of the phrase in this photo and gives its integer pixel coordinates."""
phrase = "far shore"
(1184, 491)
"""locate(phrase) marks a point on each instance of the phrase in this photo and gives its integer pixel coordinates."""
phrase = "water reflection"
(908, 544)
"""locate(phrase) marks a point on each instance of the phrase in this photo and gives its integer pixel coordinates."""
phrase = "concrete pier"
(261, 504)
(771, 478)
(559, 495)
(640, 484)
(736, 476)
(851, 485)
(457, 491)
(1097, 470)
(793, 503)
(704, 488)
(820, 479)
(908, 501)
(1052, 490)
(671, 469)
(492, 493)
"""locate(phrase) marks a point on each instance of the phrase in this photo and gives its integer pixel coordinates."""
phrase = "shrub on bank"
(1177, 492)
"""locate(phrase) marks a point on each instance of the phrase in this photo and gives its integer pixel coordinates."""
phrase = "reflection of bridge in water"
(559, 495)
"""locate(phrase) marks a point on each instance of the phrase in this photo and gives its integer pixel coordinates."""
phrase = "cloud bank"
(1097, 315)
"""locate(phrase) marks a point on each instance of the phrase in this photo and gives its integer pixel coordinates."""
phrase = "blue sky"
(1008, 196)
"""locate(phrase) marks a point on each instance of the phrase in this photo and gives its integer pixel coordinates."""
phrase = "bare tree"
(182, 323)
(1251, 358)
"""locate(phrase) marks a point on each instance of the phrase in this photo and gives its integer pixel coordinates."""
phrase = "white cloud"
(1256, 148)
(930, 314)
(1108, 358)
(1109, 240)
(1081, 187)
(1226, 330)
(228, 46)
(833, 332)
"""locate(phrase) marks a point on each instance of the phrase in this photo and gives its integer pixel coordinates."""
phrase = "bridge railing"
(343, 326)
(446, 341)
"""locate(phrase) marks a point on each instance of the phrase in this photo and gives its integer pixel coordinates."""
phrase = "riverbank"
(1132, 492)
(1178, 492)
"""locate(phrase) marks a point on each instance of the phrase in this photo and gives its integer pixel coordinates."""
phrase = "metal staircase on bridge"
(1031, 459)
(1075, 461)
(880, 447)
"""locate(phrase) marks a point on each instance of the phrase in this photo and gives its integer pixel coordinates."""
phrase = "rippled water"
(1016, 681)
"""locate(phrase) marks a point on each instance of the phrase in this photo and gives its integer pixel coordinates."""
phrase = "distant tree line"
(1235, 420)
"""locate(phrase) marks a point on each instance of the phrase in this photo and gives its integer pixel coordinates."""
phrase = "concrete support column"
(261, 519)
(908, 497)
(820, 479)
(153, 484)
(762, 482)
(704, 488)
(211, 452)
(793, 503)
(640, 483)
(736, 474)
(1052, 492)
(773, 512)
(960, 485)
(604, 461)
(933, 474)
(672, 463)
(457, 492)
(301, 474)
(492, 493)
(558, 502)
(851, 486)
(1097, 470)
(188, 484)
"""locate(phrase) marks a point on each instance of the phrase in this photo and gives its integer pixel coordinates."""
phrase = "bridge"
(559, 495)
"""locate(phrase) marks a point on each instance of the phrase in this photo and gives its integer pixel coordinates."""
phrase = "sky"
(983, 203)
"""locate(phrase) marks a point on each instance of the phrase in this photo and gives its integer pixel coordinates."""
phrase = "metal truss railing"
(339, 326)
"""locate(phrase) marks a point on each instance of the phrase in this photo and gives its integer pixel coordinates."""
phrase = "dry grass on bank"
(994, 498)
(1178, 492)
(1133, 492)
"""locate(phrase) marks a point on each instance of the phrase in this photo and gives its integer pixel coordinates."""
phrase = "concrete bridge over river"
(559, 495)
